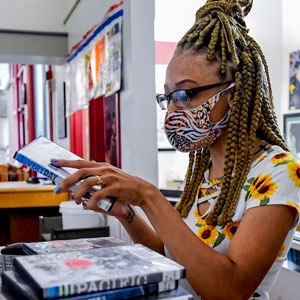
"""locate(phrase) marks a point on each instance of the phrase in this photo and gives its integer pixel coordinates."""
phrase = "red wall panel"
(96, 129)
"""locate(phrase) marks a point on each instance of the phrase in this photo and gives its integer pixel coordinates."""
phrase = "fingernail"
(57, 190)
(77, 201)
(54, 160)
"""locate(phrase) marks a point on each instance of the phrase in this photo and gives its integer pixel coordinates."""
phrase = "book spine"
(132, 292)
(28, 250)
(110, 284)
(14, 288)
(25, 275)
(37, 167)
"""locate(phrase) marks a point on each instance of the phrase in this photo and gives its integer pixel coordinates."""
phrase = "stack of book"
(90, 269)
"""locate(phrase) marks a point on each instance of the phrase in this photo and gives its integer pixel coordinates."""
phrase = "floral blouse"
(274, 178)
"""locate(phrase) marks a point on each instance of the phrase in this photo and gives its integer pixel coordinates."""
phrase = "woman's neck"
(217, 155)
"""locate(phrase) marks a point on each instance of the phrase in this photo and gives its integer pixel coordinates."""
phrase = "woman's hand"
(126, 188)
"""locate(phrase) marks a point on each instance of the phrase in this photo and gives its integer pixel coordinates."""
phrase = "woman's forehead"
(190, 66)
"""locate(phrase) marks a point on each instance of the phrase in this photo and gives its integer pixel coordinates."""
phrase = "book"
(178, 294)
(94, 270)
(71, 245)
(37, 155)
(17, 286)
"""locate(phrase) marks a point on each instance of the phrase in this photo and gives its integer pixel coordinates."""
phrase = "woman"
(239, 208)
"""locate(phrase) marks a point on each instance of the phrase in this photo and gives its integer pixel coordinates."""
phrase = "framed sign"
(61, 115)
(292, 132)
(294, 89)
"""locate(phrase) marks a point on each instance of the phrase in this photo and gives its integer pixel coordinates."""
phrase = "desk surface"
(19, 194)
(23, 186)
(21, 204)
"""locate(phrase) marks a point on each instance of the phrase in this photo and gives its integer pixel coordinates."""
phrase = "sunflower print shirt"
(274, 179)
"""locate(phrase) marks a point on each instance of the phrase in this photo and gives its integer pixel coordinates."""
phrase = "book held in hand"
(94, 270)
(71, 245)
(37, 155)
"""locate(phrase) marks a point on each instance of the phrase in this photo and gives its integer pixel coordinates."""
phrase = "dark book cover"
(179, 294)
(93, 270)
(14, 284)
(71, 245)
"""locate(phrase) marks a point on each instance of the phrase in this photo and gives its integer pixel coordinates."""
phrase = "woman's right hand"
(120, 210)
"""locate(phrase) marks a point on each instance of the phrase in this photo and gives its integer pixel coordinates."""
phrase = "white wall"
(138, 106)
(4, 143)
(59, 75)
(266, 22)
(173, 18)
(86, 15)
(34, 15)
(11, 125)
(4, 75)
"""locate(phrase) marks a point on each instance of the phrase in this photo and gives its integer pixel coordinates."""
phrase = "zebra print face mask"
(191, 130)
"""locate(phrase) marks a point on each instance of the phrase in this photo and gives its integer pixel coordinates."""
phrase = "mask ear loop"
(218, 96)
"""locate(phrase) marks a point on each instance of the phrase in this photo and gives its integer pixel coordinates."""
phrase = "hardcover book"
(71, 245)
(17, 286)
(94, 270)
(37, 155)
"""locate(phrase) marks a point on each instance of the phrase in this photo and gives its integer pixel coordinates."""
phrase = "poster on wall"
(94, 64)
(88, 75)
(294, 91)
(99, 68)
(113, 38)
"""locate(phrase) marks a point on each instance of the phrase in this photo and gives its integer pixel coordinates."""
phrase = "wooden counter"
(21, 204)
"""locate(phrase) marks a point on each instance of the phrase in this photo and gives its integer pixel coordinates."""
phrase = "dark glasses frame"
(190, 93)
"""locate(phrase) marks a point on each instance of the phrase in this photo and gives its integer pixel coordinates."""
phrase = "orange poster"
(99, 66)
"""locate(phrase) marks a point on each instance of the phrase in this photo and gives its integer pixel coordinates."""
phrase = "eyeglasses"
(182, 98)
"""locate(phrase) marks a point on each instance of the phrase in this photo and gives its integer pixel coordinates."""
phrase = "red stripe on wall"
(164, 52)
(96, 122)
(78, 133)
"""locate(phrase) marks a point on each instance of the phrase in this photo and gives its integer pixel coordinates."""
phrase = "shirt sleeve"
(276, 181)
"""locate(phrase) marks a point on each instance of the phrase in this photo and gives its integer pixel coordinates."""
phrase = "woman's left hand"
(115, 183)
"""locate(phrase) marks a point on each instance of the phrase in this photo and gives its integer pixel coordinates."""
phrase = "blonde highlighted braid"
(220, 31)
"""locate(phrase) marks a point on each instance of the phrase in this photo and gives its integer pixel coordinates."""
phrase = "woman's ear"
(230, 97)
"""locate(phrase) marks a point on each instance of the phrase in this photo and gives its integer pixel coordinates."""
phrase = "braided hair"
(220, 31)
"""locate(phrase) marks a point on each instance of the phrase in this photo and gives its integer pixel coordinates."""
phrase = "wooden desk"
(21, 204)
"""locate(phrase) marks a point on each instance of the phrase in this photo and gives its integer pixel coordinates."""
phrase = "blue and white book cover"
(80, 272)
(17, 286)
(37, 156)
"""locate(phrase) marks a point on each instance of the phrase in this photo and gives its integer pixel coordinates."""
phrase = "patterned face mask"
(191, 130)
